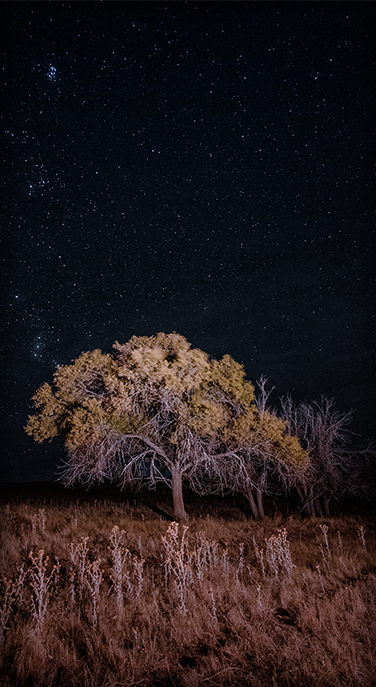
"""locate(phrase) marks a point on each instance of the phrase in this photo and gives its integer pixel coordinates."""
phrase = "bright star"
(51, 74)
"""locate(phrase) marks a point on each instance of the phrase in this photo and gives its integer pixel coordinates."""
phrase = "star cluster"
(205, 168)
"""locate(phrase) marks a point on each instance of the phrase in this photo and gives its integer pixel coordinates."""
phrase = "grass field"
(111, 593)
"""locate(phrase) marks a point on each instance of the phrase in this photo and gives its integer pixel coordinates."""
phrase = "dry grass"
(117, 596)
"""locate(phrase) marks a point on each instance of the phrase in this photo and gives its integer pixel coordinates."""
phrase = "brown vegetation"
(114, 594)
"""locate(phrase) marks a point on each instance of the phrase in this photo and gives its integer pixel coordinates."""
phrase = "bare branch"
(263, 396)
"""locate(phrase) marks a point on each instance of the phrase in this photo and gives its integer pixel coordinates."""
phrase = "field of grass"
(116, 594)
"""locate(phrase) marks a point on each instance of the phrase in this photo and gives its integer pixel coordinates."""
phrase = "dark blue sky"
(202, 168)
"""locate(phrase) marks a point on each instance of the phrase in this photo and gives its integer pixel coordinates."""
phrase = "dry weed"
(140, 601)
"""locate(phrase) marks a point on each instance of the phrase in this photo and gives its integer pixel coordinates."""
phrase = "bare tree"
(334, 468)
(263, 396)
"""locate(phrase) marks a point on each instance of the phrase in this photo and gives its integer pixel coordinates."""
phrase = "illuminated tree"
(249, 452)
(154, 410)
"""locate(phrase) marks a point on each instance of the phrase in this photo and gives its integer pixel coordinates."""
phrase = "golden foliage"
(161, 388)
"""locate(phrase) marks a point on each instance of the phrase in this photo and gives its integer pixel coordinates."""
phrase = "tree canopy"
(157, 409)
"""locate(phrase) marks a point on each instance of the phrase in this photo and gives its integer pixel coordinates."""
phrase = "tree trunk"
(177, 495)
(252, 502)
(301, 496)
(302, 493)
(317, 506)
(260, 503)
(311, 507)
(326, 506)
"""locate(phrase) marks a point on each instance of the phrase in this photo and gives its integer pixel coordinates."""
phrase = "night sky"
(202, 168)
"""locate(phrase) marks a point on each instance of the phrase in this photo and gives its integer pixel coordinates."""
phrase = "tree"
(251, 450)
(335, 469)
(154, 410)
